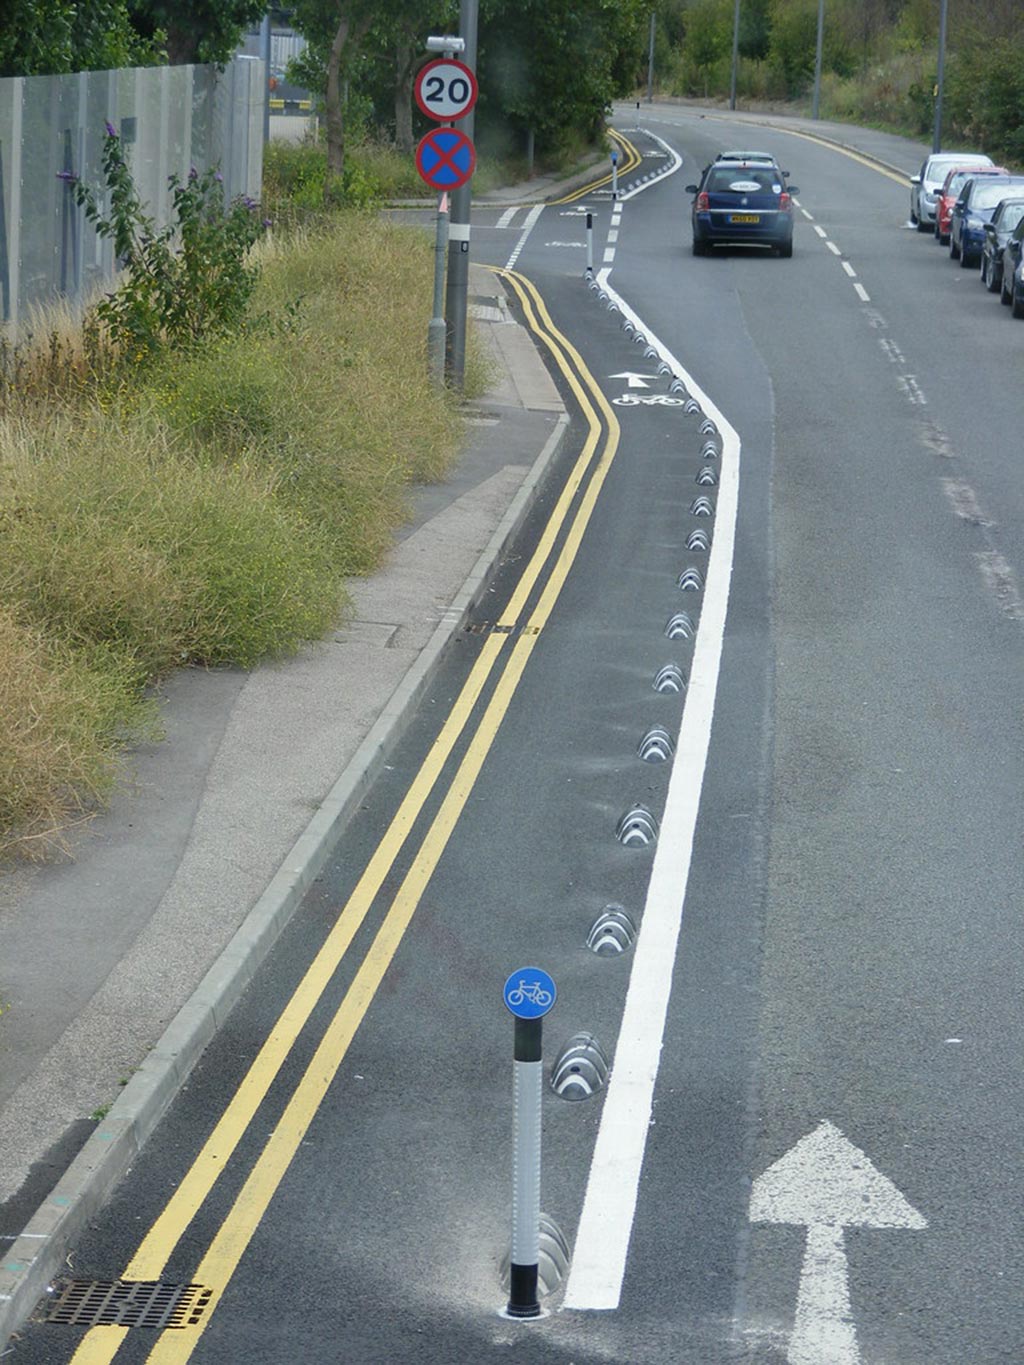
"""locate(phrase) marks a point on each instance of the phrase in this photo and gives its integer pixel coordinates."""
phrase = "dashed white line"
(531, 219)
(613, 234)
(833, 248)
(862, 293)
(820, 231)
(849, 270)
(808, 216)
(609, 255)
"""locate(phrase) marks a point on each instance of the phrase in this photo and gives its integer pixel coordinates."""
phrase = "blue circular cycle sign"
(529, 993)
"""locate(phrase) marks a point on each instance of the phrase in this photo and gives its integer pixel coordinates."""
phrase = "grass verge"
(203, 510)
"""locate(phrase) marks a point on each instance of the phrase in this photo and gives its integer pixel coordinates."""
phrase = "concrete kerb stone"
(40, 1252)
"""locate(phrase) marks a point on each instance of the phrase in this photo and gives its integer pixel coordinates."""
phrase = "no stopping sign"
(445, 90)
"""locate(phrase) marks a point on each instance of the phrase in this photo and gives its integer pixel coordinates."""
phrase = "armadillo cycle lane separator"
(101, 1343)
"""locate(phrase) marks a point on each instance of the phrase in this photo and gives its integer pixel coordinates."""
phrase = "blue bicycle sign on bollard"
(529, 993)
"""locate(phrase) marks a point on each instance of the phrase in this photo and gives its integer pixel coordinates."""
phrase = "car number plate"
(745, 218)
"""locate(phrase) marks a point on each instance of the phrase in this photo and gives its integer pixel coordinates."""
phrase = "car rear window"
(987, 196)
(744, 180)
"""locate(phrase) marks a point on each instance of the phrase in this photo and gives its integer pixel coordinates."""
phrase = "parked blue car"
(1011, 287)
(974, 207)
(1007, 215)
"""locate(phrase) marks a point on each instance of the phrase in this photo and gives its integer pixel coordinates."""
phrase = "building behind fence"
(170, 119)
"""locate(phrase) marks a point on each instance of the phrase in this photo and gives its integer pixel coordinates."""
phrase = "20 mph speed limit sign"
(445, 90)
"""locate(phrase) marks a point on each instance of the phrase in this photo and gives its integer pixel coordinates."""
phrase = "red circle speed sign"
(445, 90)
(445, 158)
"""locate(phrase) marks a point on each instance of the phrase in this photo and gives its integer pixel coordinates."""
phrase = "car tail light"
(703, 202)
(784, 200)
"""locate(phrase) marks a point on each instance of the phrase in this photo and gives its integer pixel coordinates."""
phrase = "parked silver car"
(925, 186)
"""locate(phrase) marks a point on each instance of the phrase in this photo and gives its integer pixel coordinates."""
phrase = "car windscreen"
(1010, 217)
(988, 196)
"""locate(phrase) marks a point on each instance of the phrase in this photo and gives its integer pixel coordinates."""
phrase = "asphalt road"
(831, 1162)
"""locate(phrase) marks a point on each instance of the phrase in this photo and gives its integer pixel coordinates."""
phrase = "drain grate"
(125, 1303)
(500, 628)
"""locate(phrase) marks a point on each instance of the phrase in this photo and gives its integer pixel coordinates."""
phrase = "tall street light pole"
(735, 53)
(937, 135)
(650, 64)
(817, 59)
(457, 293)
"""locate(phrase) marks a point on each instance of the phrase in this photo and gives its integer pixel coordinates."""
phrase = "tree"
(50, 37)
(194, 30)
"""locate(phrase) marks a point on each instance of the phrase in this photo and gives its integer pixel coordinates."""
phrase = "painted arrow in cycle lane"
(826, 1184)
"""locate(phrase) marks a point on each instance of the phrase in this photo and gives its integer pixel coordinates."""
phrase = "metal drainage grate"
(691, 580)
(656, 746)
(637, 828)
(698, 540)
(669, 679)
(581, 1068)
(500, 628)
(126, 1303)
(612, 932)
(680, 626)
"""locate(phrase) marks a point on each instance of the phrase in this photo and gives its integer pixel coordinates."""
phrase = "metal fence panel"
(169, 120)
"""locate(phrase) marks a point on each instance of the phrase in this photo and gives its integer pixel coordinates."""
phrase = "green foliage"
(185, 283)
(195, 30)
(46, 37)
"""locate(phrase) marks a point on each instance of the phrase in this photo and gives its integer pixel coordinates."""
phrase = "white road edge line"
(675, 163)
(609, 1206)
(531, 219)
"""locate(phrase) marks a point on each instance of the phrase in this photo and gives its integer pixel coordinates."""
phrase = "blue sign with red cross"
(445, 158)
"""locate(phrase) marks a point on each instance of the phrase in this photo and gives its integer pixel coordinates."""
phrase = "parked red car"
(948, 195)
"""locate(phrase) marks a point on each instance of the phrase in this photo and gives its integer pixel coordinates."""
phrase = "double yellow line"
(631, 159)
(553, 556)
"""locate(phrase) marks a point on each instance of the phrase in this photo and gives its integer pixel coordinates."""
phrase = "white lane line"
(1001, 581)
(528, 225)
(675, 161)
(820, 231)
(808, 216)
(609, 1207)
(849, 270)
(506, 218)
(833, 248)
(613, 235)
(609, 255)
(862, 293)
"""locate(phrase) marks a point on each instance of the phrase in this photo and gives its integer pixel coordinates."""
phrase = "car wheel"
(1004, 293)
(924, 226)
(988, 275)
(786, 249)
(966, 261)
(699, 248)
(1017, 307)
(954, 250)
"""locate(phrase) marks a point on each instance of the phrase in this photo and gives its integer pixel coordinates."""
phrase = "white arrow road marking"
(827, 1184)
(633, 381)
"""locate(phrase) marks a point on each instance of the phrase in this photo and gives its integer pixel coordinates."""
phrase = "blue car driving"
(741, 203)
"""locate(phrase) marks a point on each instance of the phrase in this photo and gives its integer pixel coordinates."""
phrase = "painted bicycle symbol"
(529, 990)
(652, 400)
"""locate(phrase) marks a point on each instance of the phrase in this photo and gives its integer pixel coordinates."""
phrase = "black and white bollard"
(615, 172)
(590, 246)
(529, 993)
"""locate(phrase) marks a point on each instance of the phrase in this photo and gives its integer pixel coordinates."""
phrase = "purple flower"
(268, 222)
(193, 174)
(111, 130)
(218, 177)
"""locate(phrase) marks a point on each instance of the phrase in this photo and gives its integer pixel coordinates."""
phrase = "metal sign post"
(615, 172)
(457, 291)
(436, 327)
(528, 994)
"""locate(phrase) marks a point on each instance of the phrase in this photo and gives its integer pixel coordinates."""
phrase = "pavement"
(121, 962)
